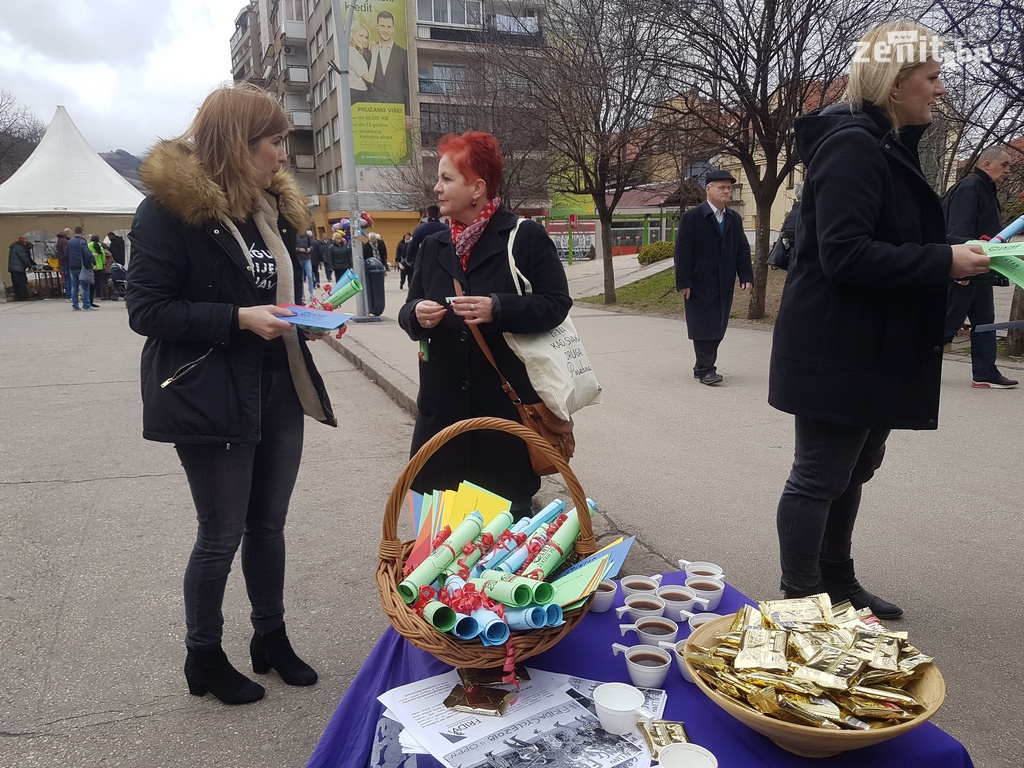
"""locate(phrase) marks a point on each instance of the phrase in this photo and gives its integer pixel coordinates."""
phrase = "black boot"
(208, 670)
(840, 581)
(274, 651)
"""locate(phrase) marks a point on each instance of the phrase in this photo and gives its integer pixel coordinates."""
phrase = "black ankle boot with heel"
(840, 581)
(274, 651)
(208, 670)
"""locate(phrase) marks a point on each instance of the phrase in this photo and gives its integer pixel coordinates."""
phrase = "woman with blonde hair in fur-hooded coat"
(224, 378)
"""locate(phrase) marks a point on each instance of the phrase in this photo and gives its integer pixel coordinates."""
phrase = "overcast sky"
(127, 71)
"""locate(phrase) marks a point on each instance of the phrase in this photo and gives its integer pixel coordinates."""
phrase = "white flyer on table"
(553, 714)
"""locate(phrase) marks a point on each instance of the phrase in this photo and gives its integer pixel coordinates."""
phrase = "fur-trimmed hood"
(174, 175)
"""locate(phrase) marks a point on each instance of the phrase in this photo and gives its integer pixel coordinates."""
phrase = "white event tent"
(64, 183)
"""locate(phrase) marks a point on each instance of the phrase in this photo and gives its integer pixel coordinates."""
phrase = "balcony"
(301, 119)
(435, 86)
(302, 162)
(296, 78)
(505, 30)
(293, 32)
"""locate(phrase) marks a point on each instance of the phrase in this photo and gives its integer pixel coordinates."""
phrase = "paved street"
(98, 524)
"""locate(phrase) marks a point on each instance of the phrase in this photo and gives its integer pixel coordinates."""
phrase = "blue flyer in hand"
(314, 319)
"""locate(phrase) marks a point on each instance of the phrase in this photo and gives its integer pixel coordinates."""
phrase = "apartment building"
(289, 46)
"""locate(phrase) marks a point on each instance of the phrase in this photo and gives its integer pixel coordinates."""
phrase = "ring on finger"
(472, 306)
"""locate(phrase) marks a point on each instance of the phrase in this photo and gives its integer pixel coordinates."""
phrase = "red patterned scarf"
(465, 237)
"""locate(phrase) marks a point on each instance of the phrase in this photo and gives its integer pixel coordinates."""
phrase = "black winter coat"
(456, 380)
(972, 210)
(858, 339)
(188, 277)
(708, 262)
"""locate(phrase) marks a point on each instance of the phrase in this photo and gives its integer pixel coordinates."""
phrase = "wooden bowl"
(806, 740)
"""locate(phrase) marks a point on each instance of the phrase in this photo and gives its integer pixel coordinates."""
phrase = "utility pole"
(342, 36)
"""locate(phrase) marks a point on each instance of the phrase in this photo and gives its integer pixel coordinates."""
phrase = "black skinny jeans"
(241, 494)
(819, 504)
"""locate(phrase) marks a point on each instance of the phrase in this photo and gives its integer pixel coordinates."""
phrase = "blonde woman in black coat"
(858, 340)
(224, 378)
(456, 380)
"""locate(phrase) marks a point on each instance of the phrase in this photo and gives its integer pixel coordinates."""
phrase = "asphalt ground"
(98, 524)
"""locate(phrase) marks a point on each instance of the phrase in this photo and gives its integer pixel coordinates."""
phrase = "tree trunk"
(606, 246)
(1015, 336)
(755, 310)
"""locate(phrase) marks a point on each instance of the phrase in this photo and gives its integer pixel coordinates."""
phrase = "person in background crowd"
(400, 263)
(339, 257)
(429, 227)
(224, 378)
(19, 260)
(972, 213)
(79, 257)
(117, 249)
(858, 341)
(456, 380)
(304, 250)
(711, 251)
(318, 258)
(784, 250)
(62, 260)
(99, 268)
(375, 247)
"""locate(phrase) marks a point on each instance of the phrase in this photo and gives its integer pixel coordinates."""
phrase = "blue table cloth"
(357, 735)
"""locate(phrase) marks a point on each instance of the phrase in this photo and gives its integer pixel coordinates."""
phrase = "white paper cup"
(707, 589)
(652, 630)
(677, 650)
(633, 585)
(604, 596)
(679, 598)
(702, 568)
(701, 618)
(686, 756)
(641, 606)
(619, 707)
(647, 665)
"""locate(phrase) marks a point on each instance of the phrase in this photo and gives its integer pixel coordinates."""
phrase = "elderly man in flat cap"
(711, 252)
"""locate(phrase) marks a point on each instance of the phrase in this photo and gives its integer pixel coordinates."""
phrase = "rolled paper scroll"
(559, 546)
(495, 528)
(529, 617)
(466, 627)
(503, 549)
(554, 615)
(493, 629)
(344, 293)
(439, 615)
(516, 595)
(533, 545)
(428, 571)
(546, 515)
(540, 591)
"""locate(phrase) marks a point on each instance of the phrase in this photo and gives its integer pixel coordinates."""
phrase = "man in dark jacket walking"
(972, 212)
(19, 259)
(421, 233)
(711, 251)
(80, 256)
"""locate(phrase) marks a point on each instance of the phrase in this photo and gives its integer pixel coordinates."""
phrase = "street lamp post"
(342, 35)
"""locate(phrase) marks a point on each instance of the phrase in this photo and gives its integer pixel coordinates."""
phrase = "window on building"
(336, 128)
(310, 6)
(329, 24)
(439, 119)
(319, 39)
(460, 13)
(339, 176)
(295, 10)
(312, 51)
(332, 79)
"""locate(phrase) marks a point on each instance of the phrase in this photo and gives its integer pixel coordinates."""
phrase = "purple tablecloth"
(357, 736)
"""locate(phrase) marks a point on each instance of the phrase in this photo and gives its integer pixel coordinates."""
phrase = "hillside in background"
(126, 164)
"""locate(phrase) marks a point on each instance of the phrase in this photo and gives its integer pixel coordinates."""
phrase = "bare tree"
(588, 82)
(748, 68)
(20, 132)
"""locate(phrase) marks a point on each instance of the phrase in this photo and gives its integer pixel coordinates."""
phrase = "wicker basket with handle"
(393, 553)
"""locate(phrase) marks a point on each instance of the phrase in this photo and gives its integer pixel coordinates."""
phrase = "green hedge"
(659, 251)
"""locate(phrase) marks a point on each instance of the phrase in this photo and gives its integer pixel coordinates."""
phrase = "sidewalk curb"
(398, 386)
